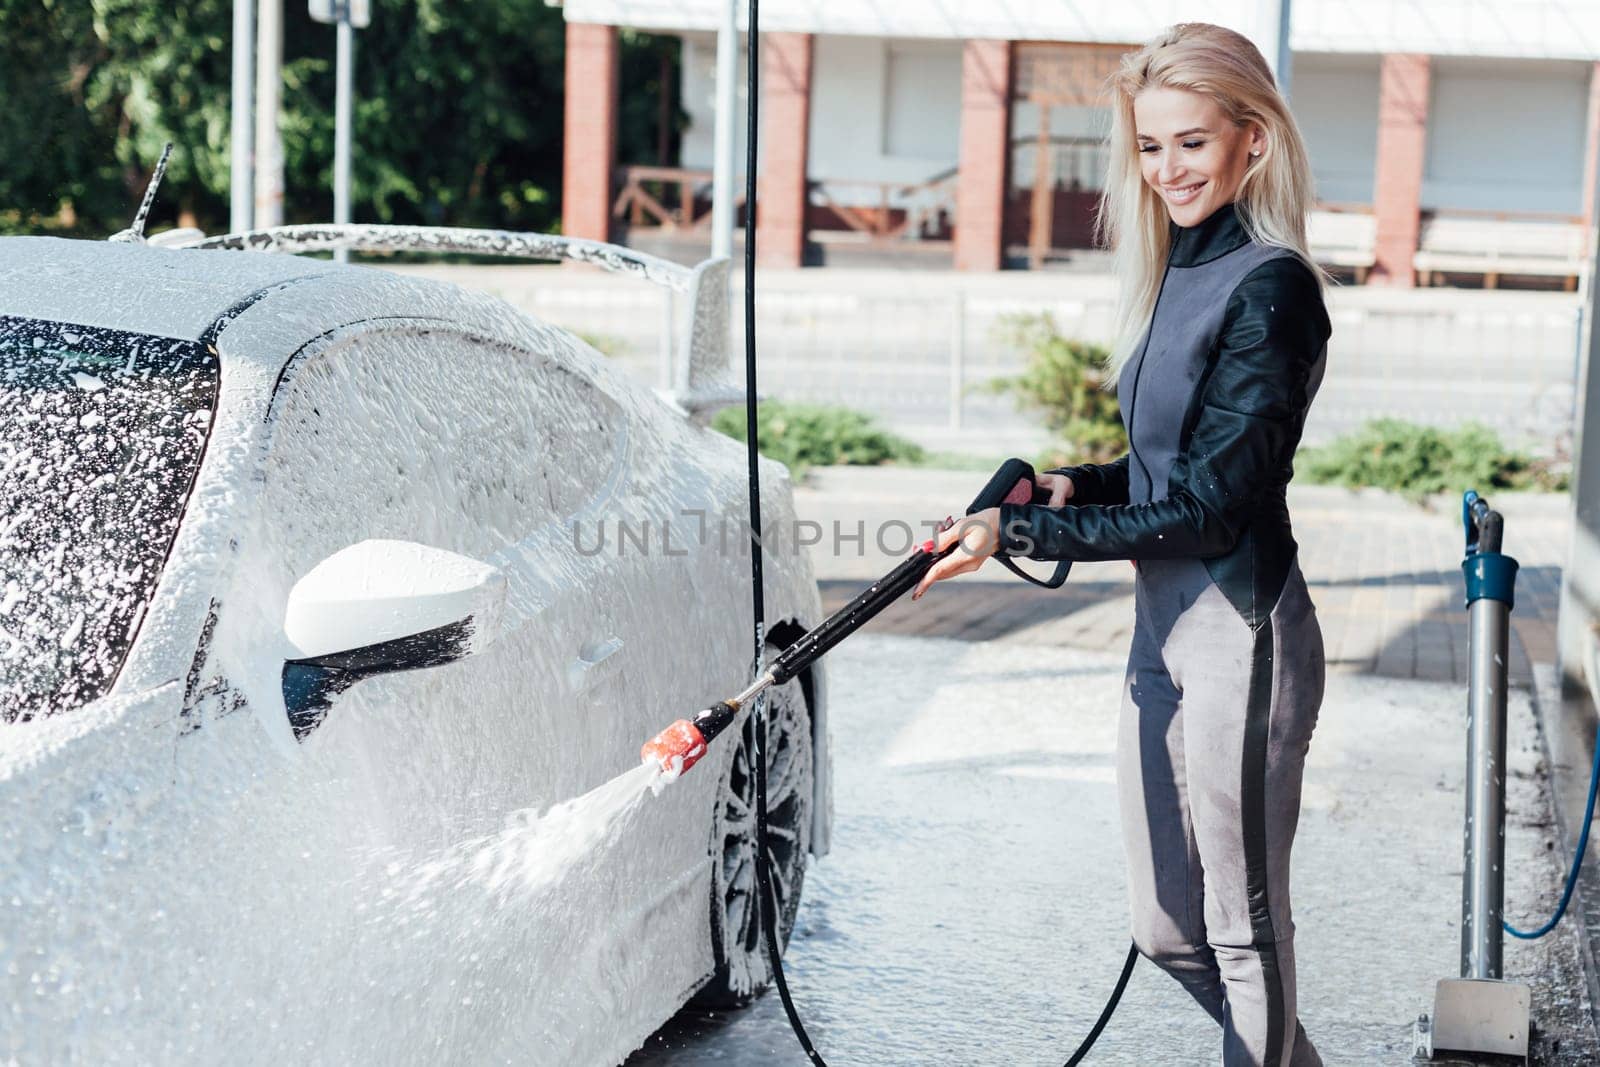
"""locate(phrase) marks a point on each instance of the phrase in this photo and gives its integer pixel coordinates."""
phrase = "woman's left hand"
(979, 534)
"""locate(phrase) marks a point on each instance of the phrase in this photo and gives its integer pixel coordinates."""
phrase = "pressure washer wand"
(680, 746)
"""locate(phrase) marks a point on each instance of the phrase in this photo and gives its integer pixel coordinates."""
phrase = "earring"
(1255, 154)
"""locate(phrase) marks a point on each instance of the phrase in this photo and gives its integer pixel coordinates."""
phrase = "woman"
(1222, 348)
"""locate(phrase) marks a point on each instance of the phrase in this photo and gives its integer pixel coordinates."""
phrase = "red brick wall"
(589, 144)
(785, 144)
(1402, 144)
(985, 151)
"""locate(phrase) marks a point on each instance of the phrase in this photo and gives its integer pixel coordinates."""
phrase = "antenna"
(134, 234)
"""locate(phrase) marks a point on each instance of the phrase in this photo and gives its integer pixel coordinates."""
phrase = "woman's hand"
(1059, 487)
(979, 534)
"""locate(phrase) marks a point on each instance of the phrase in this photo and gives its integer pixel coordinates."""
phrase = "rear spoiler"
(701, 383)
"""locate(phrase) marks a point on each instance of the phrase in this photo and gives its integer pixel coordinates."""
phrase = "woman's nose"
(1170, 170)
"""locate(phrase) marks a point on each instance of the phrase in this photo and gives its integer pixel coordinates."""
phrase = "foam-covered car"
(319, 583)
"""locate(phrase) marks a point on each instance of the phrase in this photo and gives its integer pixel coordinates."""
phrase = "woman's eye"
(1148, 147)
(1193, 144)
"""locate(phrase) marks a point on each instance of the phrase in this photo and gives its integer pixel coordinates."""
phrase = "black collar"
(1218, 234)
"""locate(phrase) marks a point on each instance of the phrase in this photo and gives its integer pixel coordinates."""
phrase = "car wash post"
(348, 16)
(1491, 580)
(1479, 1012)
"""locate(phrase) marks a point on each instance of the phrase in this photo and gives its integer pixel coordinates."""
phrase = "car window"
(101, 435)
(433, 436)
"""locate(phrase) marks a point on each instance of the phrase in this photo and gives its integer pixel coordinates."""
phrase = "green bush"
(606, 344)
(1064, 381)
(1411, 458)
(807, 435)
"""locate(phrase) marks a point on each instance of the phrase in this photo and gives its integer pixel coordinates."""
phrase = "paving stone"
(1384, 573)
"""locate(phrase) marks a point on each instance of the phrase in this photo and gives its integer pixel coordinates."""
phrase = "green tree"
(458, 112)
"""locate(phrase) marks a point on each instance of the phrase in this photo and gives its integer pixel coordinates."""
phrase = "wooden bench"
(1343, 238)
(1492, 247)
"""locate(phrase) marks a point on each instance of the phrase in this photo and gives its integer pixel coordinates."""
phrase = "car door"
(422, 432)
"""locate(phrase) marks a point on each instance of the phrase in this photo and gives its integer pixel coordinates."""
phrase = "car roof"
(144, 289)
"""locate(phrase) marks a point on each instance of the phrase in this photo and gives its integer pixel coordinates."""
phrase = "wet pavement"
(973, 910)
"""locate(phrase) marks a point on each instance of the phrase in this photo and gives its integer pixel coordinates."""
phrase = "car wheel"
(742, 967)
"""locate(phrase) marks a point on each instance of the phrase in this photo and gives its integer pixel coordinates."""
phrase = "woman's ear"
(1258, 141)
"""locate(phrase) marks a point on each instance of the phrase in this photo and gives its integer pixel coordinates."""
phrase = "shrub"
(806, 435)
(606, 344)
(1064, 381)
(1411, 458)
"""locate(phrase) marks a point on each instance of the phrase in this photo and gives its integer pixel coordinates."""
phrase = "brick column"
(1402, 142)
(985, 153)
(785, 147)
(589, 137)
(1591, 147)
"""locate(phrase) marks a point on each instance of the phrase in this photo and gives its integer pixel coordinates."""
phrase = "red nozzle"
(676, 749)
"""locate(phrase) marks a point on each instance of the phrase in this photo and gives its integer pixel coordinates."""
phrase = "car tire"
(742, 967)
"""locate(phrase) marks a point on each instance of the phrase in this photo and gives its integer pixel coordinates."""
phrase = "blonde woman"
(1221, 350)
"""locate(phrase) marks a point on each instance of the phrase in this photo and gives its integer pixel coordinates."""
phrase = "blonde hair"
(1274, 197)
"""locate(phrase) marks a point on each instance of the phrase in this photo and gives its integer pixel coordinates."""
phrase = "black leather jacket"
(1214, 401)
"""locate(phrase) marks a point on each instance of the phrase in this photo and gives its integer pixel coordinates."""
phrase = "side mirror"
(379, 607)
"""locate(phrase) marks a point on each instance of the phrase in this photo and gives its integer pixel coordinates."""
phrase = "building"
(1453, 140)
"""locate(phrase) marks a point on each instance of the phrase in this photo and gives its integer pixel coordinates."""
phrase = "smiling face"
(1190, 152)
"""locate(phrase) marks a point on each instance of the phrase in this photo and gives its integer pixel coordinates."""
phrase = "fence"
(915, 349)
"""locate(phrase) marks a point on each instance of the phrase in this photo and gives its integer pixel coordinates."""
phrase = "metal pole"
(1285, 68)
(1479, 1011)
(958, 358)
(344, 75)
(1483, 888)
(723, 147)
(239, 132)
(269, 141)
(1272, 37)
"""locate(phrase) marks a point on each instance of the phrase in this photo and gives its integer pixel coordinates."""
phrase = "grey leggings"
(1216, 721)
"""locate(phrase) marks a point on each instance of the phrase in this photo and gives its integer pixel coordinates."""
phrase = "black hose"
(765, 901)
(1111, 1006)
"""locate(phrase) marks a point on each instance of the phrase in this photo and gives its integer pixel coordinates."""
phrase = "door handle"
(590, 656)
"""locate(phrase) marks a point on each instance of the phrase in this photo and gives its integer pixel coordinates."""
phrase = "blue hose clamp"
(1491, 575)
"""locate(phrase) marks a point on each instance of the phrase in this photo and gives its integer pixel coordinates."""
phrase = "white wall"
(1552, 29)
(698, 91)
(1335, 101)
(922, 118)
(884, 110)
(1506, 135)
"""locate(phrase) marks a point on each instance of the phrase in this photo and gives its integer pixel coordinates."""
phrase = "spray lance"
(681, 745)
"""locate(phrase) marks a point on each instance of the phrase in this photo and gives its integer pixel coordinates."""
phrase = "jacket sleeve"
(1252, 407)
(1097, 483)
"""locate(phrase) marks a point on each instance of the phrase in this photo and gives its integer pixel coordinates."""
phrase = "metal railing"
(917, 359)
(886, 211)
(677, 199)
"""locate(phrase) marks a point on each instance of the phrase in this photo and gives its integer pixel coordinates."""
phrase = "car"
(334, 607)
